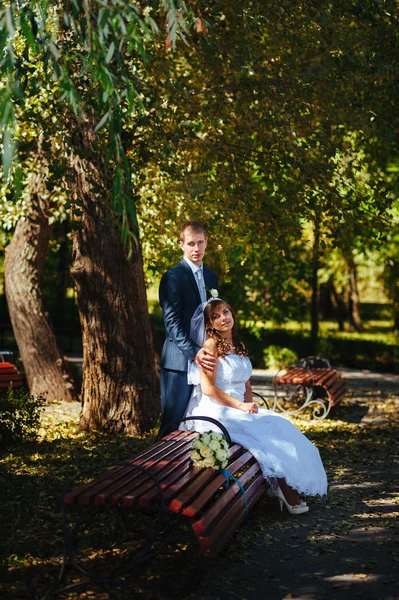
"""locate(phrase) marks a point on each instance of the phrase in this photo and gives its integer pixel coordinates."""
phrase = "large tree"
(92, 51)
(46, 368)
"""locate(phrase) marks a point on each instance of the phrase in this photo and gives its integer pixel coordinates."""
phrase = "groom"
(181, 290)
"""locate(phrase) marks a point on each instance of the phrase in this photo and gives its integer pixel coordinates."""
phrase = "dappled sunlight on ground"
(344, 548)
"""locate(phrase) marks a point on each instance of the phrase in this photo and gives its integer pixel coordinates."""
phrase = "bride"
(290, 463)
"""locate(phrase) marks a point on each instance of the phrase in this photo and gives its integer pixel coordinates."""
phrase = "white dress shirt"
(199, 278)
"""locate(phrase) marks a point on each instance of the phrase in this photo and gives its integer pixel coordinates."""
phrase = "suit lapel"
(191, 277)
(208, 282)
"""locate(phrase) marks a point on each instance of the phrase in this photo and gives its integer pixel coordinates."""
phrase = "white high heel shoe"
(293, 510)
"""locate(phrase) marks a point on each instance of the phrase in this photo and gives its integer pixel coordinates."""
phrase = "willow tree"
(92, 51)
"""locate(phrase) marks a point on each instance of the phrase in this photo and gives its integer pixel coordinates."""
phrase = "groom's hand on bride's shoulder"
(205, 360)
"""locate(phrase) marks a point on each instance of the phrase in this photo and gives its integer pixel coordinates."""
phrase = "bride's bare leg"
(290, 494)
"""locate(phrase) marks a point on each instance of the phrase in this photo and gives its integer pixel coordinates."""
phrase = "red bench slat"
(131, 492)
(132, 483)
(237, 506)
(213, 546)
(77, 494)
(170, 485)
(330, 380)
(199, 494)
(200, 501)
(9, 374)
(214, 512)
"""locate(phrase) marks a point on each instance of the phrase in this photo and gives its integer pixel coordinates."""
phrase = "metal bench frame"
(312, 383)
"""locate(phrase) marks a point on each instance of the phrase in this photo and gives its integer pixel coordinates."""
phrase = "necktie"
(201, 285)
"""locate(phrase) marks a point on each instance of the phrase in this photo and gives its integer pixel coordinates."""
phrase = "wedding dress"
(278, 446)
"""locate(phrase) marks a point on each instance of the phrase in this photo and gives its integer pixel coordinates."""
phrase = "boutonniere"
(212, 292)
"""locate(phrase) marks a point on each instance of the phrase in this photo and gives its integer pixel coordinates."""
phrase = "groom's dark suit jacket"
(179, 297)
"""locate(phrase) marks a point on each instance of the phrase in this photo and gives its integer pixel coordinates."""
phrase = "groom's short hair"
(193, 226)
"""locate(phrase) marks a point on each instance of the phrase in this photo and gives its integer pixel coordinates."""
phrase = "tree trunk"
(354, 315)
(339, 306)
(120, 390)
(314, 308)
(396, 319)
(46, 369)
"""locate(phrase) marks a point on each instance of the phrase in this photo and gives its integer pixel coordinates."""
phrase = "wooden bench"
(162, 478)
(310, 383)
(9, 374)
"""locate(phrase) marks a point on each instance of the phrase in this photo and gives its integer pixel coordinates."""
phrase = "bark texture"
(120, 390)
(46, 369)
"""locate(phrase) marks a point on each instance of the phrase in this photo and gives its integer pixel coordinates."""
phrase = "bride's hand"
(249, 407)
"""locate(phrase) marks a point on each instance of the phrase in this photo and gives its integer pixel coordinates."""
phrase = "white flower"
(205, 438)
(222, 455)
(206, 451)
(197, 443)
(214, 293)
(209, 461)
(210, 449)
(195, 455)
(214, 444)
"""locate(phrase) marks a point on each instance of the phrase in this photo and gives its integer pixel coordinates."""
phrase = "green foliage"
(273, 120)
(264, 131)
(19, 416)
(86, 58)
(276, 357)
(353, 350)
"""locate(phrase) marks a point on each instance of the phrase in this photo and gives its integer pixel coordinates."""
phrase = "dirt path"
(347, 545)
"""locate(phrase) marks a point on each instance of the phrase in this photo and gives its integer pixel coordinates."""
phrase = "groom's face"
(194, 246)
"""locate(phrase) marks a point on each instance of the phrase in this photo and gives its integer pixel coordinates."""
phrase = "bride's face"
(222, 318)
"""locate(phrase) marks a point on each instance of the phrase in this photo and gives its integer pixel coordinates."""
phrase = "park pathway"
(346, 547)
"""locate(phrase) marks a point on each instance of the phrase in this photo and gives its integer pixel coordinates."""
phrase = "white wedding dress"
(279, 447)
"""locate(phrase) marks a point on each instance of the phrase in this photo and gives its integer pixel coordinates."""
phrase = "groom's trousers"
(175, 394)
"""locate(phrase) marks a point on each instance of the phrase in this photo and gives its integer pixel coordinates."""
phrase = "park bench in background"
(9, 373)
(161, 480)
(309, 384)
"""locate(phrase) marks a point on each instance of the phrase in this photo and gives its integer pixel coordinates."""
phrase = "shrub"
(276, 357)
(19, 415)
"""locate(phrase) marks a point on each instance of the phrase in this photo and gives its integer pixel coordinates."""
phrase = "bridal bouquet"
(210, 449)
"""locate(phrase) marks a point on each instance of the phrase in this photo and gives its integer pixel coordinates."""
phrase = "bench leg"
(95, 536)
(304, 398)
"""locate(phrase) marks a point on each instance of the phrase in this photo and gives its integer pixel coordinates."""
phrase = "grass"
(374, 330)
(375, 347)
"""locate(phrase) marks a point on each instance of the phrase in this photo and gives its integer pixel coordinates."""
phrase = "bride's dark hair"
(223, 347)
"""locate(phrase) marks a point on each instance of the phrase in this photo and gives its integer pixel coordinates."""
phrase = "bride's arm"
(248, 392)
(208, 387)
